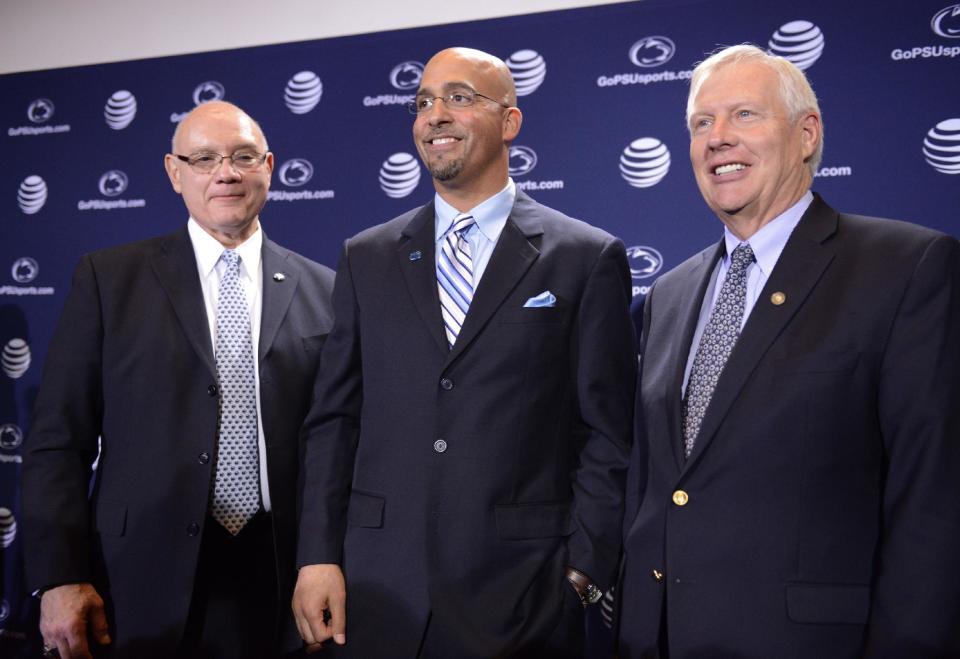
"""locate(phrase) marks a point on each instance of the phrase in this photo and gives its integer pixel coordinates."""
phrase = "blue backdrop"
(603, 92)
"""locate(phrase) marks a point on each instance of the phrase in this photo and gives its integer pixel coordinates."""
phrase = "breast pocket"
(526, 315)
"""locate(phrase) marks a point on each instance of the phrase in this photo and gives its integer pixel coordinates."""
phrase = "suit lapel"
(510, 260)
(697, 280)
(803, 261)
(277, 292)
(176, 267)
(416, 257)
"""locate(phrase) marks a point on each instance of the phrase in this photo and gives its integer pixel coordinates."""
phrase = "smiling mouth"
(437, 141)
(729, 168)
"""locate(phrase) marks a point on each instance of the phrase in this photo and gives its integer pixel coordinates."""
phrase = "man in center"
(465, 458)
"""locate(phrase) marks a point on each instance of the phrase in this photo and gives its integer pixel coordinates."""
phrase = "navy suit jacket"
(131, 361)
(823, 511)
(533, 407)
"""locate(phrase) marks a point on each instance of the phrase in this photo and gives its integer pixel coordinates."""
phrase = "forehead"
(451, 70)
(740, 82)
(219, 130)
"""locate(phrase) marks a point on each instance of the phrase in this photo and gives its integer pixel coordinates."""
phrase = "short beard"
(446, 170)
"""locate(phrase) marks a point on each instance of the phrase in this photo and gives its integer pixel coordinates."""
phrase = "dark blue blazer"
(823, 494)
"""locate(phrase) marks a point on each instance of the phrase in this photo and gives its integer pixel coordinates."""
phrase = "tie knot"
(462, 224)
(230, 258)
(741, 258)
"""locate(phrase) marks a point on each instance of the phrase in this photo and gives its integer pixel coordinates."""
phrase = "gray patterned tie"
(716, 343)
(236, 493)
(455, 276)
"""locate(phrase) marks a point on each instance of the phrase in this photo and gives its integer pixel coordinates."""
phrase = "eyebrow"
(449, 87)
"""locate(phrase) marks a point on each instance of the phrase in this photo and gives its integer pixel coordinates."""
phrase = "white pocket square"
(545, 299)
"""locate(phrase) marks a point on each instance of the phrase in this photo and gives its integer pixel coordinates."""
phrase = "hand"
(319, 605)
(66, 612)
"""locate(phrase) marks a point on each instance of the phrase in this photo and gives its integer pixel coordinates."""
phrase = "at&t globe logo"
(946, 22)
(11, 437)
(120, 109)
(941, 147)
(801, 42)
(399, 175)
(406, 75)
(652, 51)
(303, 92)
(644, 162)
(40, 110)
(522, 160)
(15, 358)
(529, 71)
(211, 90)
(295, 172)
(32, 194)
(644, 261)
(24, 270)
(113, 183)
(8, 527)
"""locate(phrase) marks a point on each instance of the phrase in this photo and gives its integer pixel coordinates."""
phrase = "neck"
(233, 239)
(469, 194)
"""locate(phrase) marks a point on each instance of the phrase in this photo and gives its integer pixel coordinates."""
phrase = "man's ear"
(173, 171)
(811, 135)
(512, 119)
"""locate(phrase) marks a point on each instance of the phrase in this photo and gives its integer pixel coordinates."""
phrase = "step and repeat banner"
(603, 91)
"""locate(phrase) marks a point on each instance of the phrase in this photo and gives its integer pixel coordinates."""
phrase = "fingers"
(319, 605)
(66, 612)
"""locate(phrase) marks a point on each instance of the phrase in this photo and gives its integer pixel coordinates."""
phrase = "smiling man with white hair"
(798, 410)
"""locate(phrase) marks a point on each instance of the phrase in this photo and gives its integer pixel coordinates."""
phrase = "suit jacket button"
(203, 458)
(193, 529)
(446, 384)
(212, 390)
(439, 446)
(680, 498)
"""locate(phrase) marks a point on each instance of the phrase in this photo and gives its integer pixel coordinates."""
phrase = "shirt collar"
(490, 215)
(208, 250)
(769, 241)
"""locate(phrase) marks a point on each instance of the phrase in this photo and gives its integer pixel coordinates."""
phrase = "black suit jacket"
(823, 517)
(132, 362)
(533, 407)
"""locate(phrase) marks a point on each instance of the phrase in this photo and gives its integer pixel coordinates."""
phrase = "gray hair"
(795, 90)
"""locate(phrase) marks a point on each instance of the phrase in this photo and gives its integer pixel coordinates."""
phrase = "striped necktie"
(455, 276)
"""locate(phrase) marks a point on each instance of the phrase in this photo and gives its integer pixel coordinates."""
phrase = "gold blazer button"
(680, 498)
(778, 298)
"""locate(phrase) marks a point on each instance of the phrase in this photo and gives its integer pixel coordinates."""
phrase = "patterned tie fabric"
(236, 493)
(455, 277)
(716, 343)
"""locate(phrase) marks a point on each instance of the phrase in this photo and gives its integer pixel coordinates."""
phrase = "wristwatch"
(586, 589)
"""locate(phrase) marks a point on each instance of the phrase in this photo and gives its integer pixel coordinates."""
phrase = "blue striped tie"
(455, 276)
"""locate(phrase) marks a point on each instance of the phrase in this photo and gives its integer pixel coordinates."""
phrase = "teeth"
(726, 169)
(443, 140)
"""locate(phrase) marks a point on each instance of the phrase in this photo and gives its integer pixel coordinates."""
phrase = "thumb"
(98, 625)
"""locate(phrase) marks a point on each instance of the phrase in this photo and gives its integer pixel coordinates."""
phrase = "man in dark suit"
(465, 459)
(799, 403)
(186, 545)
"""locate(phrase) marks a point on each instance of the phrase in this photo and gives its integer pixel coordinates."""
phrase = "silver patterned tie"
(716, 343)
(455, 276)
(236, 493)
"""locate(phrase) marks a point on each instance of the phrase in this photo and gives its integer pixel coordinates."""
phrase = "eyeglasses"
(458, 100)
(207, 161)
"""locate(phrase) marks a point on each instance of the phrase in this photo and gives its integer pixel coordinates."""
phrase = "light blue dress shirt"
(490, 215)
(767, 245)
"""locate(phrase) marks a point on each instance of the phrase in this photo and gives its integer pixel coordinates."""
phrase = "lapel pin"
(415, 256)
(778, 298)
(279, 276)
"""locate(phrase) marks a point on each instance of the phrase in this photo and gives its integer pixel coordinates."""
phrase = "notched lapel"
(176, 267)
(416, 258)
(697, 280)
(277, 292)
(805, 257)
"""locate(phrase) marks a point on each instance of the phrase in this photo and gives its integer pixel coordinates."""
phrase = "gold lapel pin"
(778, 298)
